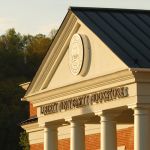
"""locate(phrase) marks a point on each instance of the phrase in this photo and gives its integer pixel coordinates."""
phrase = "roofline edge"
(108, 9)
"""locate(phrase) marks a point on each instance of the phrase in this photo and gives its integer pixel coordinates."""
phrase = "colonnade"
(108, 132)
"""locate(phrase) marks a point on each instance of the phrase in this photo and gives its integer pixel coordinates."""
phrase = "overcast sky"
(40, 16)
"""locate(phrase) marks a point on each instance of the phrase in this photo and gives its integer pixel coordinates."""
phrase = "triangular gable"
(102, 62)
(111, 50)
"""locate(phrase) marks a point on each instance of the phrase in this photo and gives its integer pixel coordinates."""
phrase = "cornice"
(56, 59)
(32, 127)
(119, 78)
(142, 76)
(140, 69)
(69, 27)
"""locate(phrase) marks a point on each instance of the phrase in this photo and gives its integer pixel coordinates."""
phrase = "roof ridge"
(104, 8)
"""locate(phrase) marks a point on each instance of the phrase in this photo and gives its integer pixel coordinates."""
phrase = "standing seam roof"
(126, 32)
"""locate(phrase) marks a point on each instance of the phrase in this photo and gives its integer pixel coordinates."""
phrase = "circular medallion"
(76, 54)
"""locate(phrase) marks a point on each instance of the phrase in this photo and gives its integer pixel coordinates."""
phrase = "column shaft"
(77, 140)
(108, 133)
(50, 138)
(141, 129)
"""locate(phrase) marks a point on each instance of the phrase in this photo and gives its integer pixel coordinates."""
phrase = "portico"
(93, 75)
(108, 130)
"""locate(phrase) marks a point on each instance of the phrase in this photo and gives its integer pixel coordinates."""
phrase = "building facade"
(92, 90)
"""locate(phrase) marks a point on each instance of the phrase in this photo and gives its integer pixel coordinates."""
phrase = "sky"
(41, 16)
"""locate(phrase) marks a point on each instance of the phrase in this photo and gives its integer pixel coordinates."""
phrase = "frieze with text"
(85, 100)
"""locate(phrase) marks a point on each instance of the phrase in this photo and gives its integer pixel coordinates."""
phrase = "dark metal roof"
(32, 119)
(126, 32)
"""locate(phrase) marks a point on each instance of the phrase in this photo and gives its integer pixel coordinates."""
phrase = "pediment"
(54, 71)
(102, 62)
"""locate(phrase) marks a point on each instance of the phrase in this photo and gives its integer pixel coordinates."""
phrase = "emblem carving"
(79, 54)
(76, 54)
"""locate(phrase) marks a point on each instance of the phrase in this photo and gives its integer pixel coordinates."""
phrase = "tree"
(10, 54)
(20, 57)
(24, 141)
(35, 51)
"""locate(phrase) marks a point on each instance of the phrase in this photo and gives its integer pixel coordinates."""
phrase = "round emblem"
(76, 54)
(79, 54)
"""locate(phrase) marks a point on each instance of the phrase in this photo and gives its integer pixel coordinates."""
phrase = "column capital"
(45, 125)
(142, 106)
(54, 124)
(80, 120)
(108, 113)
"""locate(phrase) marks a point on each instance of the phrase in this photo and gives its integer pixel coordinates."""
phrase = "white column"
(77, 139)
(141, 129)
(108, 133)
(50, 138)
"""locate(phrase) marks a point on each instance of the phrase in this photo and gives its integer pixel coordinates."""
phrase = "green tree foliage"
(10, 54)
(34, 52)
(20, 57)
(24, 141)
